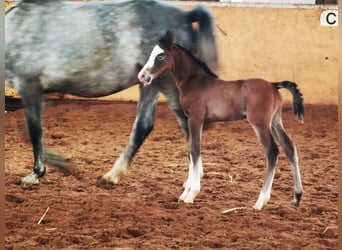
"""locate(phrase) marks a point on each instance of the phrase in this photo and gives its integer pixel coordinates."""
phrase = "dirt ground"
(143, 212)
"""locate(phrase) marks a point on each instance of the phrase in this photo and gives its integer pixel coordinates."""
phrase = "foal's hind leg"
(291, 153)
(271, 150)
(32, 108)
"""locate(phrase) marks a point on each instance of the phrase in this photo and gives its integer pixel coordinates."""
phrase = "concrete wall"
(275, 42)
(285, 42)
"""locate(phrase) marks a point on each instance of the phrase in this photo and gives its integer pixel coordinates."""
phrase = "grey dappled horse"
(96, 49)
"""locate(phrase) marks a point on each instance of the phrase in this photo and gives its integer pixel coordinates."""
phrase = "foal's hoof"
(30, 179)
(295, 203)
(297, 199)
(257, 207)
(261, 202)
(185, 200)
(188, 196)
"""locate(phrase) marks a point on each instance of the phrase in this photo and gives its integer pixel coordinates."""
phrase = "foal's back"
(234, 100)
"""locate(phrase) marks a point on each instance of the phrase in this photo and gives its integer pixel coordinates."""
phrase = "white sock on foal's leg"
(193, 183)
(265, 193)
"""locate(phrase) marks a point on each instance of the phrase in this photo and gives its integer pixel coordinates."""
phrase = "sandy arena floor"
(143, 212)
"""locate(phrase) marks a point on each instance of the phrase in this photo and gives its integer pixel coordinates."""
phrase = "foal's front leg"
(193, 184)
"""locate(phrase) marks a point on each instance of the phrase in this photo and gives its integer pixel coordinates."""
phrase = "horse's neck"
(186, 69)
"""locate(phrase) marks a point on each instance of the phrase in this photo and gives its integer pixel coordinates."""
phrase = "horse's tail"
(205, 36)
(10, 9)
(298, 107)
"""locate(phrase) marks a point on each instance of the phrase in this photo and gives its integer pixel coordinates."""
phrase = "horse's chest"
(192, 104)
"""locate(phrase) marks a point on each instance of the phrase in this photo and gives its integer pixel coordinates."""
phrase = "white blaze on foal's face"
(145, 75)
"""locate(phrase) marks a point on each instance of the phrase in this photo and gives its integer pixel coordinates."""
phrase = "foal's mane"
(202, 64)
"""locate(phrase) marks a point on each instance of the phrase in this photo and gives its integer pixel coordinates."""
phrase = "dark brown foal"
(205, 98)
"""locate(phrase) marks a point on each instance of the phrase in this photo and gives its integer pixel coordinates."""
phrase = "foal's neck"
(187, 69)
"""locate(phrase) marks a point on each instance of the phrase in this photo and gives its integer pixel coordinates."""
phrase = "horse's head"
(160, 60)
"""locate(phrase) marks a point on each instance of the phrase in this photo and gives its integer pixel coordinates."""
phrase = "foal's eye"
(160, 57)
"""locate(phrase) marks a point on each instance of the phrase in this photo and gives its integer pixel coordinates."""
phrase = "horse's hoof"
(114, 177)
(30, 179)
(103, 182)
(107, 179)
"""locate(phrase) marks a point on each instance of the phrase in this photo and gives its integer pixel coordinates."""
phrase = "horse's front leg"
(32, 108)
(193, 184)
(169, 89)
(142, 126)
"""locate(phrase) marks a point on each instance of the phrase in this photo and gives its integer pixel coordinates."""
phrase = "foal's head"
(160, 60)
(168, 55)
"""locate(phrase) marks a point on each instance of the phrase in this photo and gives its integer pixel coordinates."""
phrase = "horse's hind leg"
(271, 151)
(32, 108)
(142, 126)
(291, 153)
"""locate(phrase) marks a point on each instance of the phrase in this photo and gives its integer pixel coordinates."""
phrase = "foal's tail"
(298, 107)
(204, 38)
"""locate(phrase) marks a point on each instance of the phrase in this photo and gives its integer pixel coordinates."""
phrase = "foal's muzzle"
(145, 77)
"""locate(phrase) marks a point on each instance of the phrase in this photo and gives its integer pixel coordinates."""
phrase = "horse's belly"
(73, 53)
(89, 85)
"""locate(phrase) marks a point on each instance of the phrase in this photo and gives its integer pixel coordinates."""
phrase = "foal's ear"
(168, 40)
